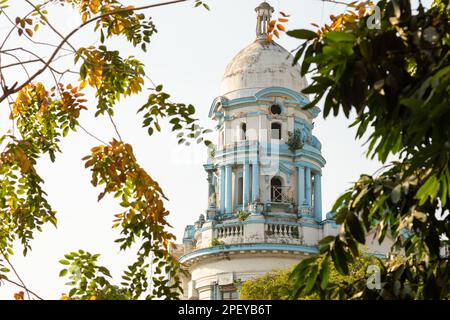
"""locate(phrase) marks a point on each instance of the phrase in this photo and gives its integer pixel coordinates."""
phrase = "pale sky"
(188, 55)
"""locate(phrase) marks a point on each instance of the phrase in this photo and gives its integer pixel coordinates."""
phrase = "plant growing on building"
(294, 140)
(216, 242)
(211, 151)
(242, 215)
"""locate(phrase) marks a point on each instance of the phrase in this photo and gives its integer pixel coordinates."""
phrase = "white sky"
(188, 55)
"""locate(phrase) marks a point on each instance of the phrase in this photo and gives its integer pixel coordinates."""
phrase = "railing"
(281, 194)
(230, 231)
(283, 233)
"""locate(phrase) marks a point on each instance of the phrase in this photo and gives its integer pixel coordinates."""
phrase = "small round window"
(275, 109)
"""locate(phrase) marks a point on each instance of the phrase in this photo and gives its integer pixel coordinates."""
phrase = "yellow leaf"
(64, 297)
(93, 298)
(83, 84)
(94, 5)
(276, 33)
(19, 296)
(281, 27)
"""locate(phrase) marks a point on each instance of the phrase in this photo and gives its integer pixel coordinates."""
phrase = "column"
(222, 190)
(229, 190)
(255, 186)
(246, 197)
(210, 188)
(301, 186)
(308, 186)
(318, 196)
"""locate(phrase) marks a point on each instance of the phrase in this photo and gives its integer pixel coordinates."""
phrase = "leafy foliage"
(110, 75)
(242, 215)
(159, 106)
(396, 79)
(276, 26)
(279, 285)
(294, 141)
(42, 117)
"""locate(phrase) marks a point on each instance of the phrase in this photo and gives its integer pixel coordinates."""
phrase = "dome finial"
(263, 14)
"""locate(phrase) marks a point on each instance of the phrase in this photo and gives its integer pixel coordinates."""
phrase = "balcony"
(236, 232)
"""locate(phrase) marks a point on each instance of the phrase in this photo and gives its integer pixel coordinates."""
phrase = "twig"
(92, 135)
(21, 286)
(16, 273)
(16, 88)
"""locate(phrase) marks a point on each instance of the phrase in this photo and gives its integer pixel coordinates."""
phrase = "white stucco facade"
(265, 203)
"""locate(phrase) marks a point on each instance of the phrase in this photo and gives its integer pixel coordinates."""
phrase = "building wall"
(233, 269)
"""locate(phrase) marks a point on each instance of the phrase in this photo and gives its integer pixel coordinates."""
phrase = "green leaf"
(302, 34)
(65, 262)
(339, 36)
(428, 189)
(63, 272)
(355, 227)
(325, 273)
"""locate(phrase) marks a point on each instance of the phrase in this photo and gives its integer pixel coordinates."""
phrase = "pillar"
(246, 196)
(318, 196)
(229, 190)
(255, 186)
(301, 186)
(222, 190)
(308, 186)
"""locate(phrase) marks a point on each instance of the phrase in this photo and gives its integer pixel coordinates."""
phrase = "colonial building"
(265, 192)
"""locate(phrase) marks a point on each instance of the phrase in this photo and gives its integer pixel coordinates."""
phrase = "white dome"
(260, 65)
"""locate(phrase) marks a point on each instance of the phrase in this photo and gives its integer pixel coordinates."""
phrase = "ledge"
(248, 247)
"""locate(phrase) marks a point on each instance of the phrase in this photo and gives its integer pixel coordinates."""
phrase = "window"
(276, 130)
(240, 189)
(230, 295)
(243, 131)
(275, 109)
(276, 190)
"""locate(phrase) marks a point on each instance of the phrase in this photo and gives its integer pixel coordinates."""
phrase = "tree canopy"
(390, 66)
(43, 113)
(279, 285)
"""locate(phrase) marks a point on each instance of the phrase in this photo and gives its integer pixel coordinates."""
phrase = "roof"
(261, 65)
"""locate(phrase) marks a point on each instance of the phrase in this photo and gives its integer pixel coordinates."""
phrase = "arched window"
(276, 130)
(243, 131)
(276, 190)
(240, 191)
(275, 109)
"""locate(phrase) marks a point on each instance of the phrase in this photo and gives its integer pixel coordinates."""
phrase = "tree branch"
(18, 277)
(15, 88)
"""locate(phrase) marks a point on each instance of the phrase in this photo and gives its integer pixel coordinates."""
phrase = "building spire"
(263, 14)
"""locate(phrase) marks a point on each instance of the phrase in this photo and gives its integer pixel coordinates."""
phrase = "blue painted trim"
(298, 98)
(260, 96)
(283, 150)
(248, 247)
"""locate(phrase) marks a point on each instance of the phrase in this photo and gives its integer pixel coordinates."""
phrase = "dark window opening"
(276, 190)
(275, 109)
(240, 190)
(276, 130)
(244, 131)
